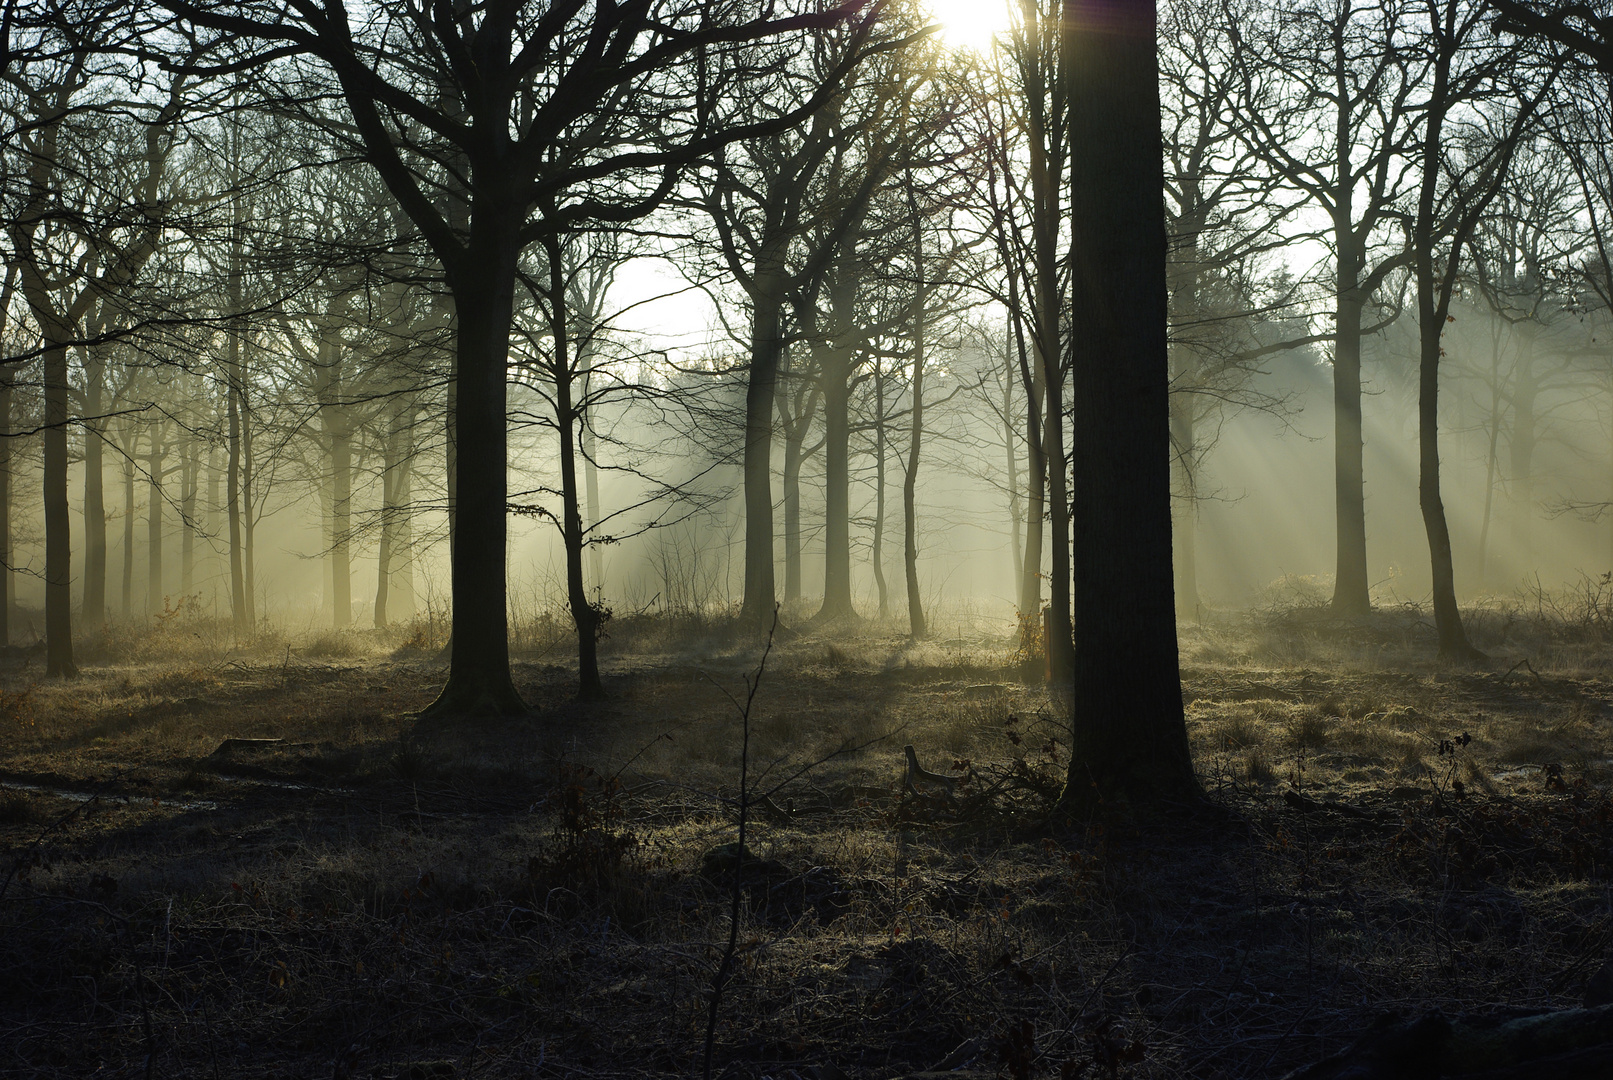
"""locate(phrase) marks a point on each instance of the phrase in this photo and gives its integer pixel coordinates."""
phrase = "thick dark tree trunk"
(483, 283)
(766, 342)
(58, 539)
(94, 607)
(1350, 585)
(1129, 737)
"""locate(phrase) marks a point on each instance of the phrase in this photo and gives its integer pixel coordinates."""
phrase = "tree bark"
(878, 553)
(1351, 589)
(567, 417)
(94, 606)
(767, 302)
(126, 597)
(836, 374)
(58, 524)
(483, 284)
(155, 599)
(190, 468)
(917, 628)
(1129, 737)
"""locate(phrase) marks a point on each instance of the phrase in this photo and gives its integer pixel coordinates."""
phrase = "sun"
(970, 24)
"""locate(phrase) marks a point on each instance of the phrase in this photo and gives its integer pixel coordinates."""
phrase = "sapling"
(726, 966)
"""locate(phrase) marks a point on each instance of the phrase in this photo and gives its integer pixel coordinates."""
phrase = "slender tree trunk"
(795, 435)
(1490, 458)
(248, 512)
(94, 609)
(389, 515)
(155, 599)
(567, 418)
(341, 520)
(879, 493)
(917, 628)
(58, 538)
(190, 468)
(401, 598)
(210, 517)
(1184, 529)
(836, 485)
(1016, 513)
(235, 468)
(590, 471)
(1033, 377)
(1129, 736)
(1453, 643)
(126, 599)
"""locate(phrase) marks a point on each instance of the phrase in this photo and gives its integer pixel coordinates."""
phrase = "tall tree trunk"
(341, 521)
(156, 601)
(879, 493)
(248, 512)
(1016, 513)
(590, 471)
(916, 625)
(210, 518)
(567, 418)
(1129, 736)
(126, 597)
(1033, 377)
(1453, 643)
(483, 283)
(190, 468)
(793, 438)
(94, 609)
(1351, 589)
(389, 514)
(58, 538)
(767, 303)
(1185, 510)
(235, 467)
(836, 369)
(400, 597)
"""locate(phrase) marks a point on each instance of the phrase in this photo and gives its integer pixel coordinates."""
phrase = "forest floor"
(373, 896)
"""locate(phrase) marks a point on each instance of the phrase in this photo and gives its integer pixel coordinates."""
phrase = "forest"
(806, 540)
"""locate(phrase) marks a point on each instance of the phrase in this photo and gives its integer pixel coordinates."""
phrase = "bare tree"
(549, 116)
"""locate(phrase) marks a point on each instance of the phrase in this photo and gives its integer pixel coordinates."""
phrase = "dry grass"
(375, 896)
